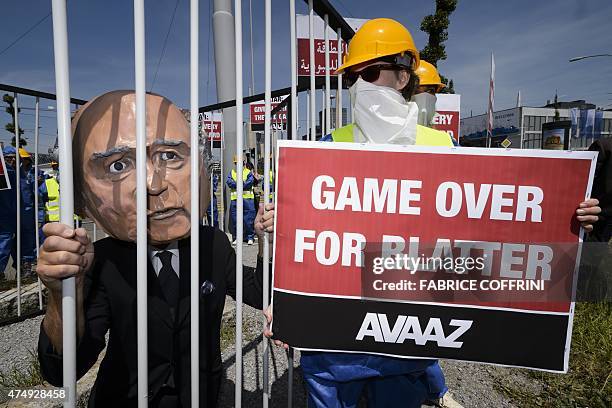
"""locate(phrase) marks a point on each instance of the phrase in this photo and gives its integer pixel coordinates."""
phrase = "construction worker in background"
(54, 172)
(41, 189)
(425, 96)
(248, 202)
(50, 190)
(8, 211)
(380, 70)
(429, 79)
(28, 212)
(213, 219)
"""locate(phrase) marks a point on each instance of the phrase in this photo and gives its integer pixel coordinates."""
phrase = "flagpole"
(491, 104)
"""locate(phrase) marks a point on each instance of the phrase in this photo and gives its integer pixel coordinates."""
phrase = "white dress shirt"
(157, 263)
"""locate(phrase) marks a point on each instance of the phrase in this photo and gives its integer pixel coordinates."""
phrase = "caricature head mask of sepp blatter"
(104, 154)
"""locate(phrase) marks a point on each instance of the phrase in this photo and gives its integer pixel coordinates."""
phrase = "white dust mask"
(427, 107)
(382, 114)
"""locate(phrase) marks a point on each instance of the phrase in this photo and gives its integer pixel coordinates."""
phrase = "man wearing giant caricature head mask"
(104, 145)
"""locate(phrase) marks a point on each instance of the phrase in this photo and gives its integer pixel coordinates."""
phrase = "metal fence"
(64, 144)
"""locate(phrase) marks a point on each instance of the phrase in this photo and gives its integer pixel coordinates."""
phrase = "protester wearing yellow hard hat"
(429, 79)
(380, 70)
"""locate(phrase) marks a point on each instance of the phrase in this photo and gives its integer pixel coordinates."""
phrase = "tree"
(436, 25)
(22, 141)
(10, 109)
(450, 86)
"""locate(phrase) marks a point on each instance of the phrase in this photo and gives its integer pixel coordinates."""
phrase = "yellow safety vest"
(246, 194)
(52, 209)
(425, 136)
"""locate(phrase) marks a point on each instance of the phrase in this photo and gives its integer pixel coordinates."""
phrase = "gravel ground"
(471, 384)
(16, 341)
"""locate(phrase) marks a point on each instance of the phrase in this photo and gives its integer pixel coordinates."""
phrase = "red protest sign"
(446, 118)
(212, 124)
(344, 210)
(303, 63)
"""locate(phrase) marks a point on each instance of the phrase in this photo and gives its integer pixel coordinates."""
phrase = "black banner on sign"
(506, 337)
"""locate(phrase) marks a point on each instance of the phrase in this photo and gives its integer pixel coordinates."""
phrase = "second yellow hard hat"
(428, 75)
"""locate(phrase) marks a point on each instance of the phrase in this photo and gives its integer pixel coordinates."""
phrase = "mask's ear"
(403, 77)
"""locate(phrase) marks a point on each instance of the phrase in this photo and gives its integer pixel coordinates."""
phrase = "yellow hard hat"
(235, 159)
(24, 154)
(428, 75)
(378, 38)
(54, 163)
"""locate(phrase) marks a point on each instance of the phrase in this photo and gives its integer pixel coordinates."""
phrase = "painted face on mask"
(104, 150)
(382, 114)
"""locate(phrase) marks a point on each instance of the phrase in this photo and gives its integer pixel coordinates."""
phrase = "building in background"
(522, 126)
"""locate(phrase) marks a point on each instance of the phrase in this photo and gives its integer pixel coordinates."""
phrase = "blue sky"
(532, 42)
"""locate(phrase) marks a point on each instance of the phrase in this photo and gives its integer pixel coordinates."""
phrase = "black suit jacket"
(602, 188)
(110, 304)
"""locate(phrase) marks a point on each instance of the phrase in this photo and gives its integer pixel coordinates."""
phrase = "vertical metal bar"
(239, 200)
(327, 79)
(266, 190)
(36, 232)
(195, 204)
(339, 123)
(294, 115)
(95, 232)
(18, 193)
(312, 68)
(323, 113)
(141, 203)
(308, 108)
(252, 87)
(62, 85)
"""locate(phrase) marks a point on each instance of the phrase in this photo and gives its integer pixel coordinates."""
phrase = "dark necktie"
(168, 279)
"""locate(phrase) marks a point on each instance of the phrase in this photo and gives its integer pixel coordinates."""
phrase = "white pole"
(327, 80)
(312, 68)
(339, 123)
(195, 206)
(62, 85)
(18, 192)
(37, 234)
(141, 203)
(308, 108)
(239, 200)
(252, 90)
(323, 113)
(266, 190)
(294, 116)
(294, 104)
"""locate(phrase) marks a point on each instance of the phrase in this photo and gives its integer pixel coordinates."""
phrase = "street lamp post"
(589, 56)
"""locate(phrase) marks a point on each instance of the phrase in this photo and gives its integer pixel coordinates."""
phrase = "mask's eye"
(167, 156)
(118, 166)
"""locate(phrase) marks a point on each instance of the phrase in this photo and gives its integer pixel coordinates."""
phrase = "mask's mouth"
(164, 213)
